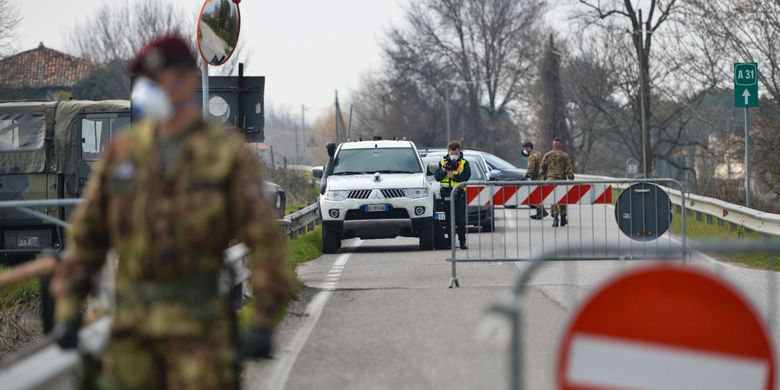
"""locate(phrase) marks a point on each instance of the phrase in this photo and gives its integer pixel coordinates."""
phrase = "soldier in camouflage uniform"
(169, 196)
(556, 165)
(533, 172)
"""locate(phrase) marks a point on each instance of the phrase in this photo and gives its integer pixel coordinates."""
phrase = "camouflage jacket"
(534, 165)
(169, 233)
(556, 165)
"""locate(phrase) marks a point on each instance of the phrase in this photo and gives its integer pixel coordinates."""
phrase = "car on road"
(508, 171)
(481, 216)
(372, 190)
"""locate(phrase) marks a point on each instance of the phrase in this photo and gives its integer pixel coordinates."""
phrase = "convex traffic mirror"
(219, 25)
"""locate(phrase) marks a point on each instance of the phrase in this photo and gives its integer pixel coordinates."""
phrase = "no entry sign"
(670, 328)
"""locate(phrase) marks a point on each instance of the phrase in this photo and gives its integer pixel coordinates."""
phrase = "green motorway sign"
(746, 84)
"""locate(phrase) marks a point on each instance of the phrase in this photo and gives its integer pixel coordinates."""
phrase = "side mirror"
(317, 172)
(494, 175)
(431, 169)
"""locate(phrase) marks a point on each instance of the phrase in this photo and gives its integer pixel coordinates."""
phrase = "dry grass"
(20, 320)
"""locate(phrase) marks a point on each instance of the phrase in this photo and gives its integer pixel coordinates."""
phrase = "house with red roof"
(41, 74)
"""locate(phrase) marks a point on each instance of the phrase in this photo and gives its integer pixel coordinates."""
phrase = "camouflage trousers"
(558, 209)
(135, 363)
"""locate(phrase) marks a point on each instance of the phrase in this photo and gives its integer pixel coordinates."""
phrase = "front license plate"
(28, 242)
(440, 216)
(375, 208)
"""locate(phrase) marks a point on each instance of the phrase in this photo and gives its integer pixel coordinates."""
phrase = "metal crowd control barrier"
(499, 213)
(515, 308)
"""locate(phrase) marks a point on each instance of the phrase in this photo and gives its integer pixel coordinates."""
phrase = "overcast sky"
(305, 48)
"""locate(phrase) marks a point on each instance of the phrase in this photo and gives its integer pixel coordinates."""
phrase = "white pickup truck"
(375, 189)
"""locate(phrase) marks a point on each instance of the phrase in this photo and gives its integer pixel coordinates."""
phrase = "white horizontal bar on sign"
(597, 361)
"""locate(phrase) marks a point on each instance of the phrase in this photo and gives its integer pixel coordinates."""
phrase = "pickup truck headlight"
(416, 193)
(336, 195)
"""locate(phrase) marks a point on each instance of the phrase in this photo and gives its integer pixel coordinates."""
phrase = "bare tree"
(119, 29)
(9, 20)
(641, 32)
(551, 101)
(479, 52)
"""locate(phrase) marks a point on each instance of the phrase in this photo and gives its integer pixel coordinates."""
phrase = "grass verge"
(700, 230)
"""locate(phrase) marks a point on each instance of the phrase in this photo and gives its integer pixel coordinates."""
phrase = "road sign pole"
(204, 78)
(747, 160)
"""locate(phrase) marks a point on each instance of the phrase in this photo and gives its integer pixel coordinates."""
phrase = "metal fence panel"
(501, 228)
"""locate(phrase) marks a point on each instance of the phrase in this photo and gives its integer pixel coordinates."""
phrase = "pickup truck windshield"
(21, 131)
(389, 160)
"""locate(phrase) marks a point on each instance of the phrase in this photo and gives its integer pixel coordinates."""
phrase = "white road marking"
(604, 362)
(282, 368)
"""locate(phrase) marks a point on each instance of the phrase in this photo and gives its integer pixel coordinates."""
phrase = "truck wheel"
(331, 240)
(427, 238)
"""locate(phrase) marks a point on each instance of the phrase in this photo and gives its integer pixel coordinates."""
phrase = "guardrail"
(301, 221)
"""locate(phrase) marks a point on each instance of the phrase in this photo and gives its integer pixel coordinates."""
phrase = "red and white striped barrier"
(544, 194)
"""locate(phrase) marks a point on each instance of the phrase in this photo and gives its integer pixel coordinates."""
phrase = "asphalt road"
(379, 315)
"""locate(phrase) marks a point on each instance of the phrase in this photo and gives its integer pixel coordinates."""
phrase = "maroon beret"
(557, 139)
(528, 144)
(163, 52)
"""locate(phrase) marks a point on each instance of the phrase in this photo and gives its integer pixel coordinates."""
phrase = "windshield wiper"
(392, 171)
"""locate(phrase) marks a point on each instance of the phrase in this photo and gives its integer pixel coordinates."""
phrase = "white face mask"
(454, 157)
(525, 153)
(150, 101)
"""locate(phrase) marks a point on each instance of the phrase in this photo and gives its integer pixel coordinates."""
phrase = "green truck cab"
(47, 150)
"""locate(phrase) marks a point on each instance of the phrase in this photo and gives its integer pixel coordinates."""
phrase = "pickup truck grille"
(388, 194)
(359, 194)
(394, 193)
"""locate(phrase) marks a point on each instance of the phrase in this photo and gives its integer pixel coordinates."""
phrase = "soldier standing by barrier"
(556, 165)
(533, 172)
(169, 195)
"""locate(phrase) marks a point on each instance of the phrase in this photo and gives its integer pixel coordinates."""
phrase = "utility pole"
(349, 129)
(447, 112)
(303, 126)
(297, 146)
(642, 94)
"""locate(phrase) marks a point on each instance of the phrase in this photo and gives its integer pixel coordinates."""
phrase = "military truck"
(47, 150)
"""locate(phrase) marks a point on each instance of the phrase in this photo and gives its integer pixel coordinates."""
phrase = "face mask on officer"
(454, 157)
(149, 100)
(525, 152)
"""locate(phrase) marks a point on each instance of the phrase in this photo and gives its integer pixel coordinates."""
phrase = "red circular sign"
(666, 327)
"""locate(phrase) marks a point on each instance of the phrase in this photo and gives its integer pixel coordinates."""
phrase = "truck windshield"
(21, 131)
(388, 160)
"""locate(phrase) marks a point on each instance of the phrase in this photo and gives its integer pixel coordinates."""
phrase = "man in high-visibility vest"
(454, 169)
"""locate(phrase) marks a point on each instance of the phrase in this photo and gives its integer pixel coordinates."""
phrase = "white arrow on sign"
(746, 95)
